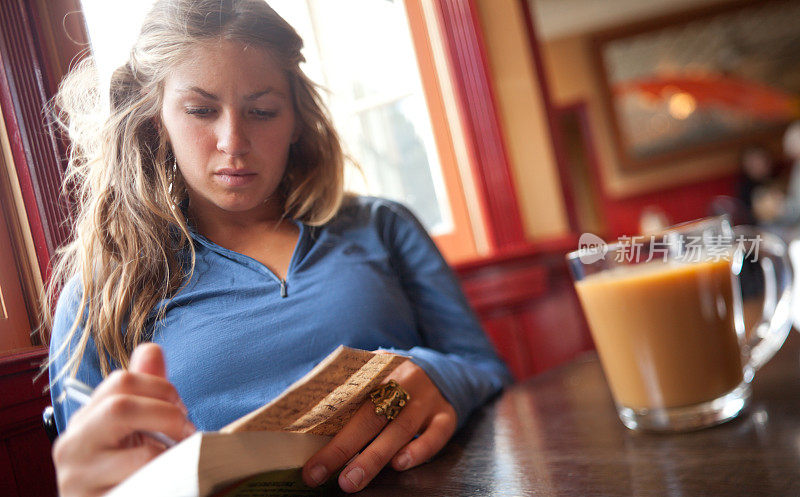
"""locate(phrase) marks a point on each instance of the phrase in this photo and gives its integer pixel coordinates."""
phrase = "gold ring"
(389, 399)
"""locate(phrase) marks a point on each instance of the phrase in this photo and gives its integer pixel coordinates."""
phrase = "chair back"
(49, 423)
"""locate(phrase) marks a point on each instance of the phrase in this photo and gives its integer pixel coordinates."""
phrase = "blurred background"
(510, 127)
(611, 117)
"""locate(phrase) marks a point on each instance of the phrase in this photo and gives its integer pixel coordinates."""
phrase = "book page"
(323, 400)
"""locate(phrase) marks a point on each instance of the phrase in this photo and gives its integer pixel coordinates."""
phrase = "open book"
(279, 436)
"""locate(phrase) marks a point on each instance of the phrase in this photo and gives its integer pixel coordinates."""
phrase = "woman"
(212, 222)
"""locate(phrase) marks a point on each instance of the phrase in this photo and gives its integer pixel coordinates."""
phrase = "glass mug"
(667, 313)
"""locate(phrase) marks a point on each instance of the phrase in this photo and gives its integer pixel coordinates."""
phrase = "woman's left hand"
(427, 413)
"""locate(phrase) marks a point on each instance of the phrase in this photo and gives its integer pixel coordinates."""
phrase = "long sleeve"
(372, 279)
(456, 354)
(89, 370)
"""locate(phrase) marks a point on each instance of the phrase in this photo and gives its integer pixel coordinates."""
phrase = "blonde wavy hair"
(131, 247)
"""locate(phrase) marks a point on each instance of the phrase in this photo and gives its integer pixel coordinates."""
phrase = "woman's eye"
(199, 111)
(264, 114)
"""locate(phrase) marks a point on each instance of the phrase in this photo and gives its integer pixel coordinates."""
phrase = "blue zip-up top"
(236, 336)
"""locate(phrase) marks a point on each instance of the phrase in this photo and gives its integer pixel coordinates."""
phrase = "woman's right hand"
(102, 445)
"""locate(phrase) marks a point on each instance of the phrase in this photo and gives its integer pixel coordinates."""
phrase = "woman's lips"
(232, 177)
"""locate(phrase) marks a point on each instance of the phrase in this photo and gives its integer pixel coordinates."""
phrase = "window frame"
(42, 38)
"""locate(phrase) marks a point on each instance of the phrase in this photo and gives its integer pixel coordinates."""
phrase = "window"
(383, 93)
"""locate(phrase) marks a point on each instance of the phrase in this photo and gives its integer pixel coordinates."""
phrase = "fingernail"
(319, 474)
(354, 476)
(188, 429)
(403, 461)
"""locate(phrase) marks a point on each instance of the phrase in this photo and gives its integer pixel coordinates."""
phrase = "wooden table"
(558, 434)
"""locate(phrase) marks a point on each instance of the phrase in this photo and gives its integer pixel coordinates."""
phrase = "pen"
(81, 393)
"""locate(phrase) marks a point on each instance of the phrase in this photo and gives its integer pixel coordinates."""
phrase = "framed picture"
(701, 81)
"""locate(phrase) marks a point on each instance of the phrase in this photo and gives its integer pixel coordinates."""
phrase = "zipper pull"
(283, 289)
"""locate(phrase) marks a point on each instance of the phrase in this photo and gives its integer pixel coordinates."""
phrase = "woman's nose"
(232, 137)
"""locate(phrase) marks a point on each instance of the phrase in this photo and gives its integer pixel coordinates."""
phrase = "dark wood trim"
(601, 38)
(564, 175)
(64, 39)
(22, 360)
(592, 154)
(528, 307)
(21, 258)
(24, 446)
(553, 246)
(23, 397)
(581, 110)
(475, 97)
(519, 287)
(37, 157)
(7, 480)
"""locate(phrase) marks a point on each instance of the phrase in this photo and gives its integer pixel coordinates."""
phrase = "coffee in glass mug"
(666, 315)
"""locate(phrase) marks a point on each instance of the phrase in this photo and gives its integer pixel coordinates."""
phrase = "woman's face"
(229, 117)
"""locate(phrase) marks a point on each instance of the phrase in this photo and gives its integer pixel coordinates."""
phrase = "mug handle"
(772, 256)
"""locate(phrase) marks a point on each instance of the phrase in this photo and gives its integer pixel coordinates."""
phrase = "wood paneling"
(24, 92)
(26, 468)
(8, 484)
(62, 36)
(15, 327)
(528, 307)
(20, 280)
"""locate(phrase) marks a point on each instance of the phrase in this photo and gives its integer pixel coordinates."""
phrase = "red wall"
(682, 203)
(528, 307)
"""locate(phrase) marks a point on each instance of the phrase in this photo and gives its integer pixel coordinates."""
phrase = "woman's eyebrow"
(259, 94)
(211, 96)
(198, 90)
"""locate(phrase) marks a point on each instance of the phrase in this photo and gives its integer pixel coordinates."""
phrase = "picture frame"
(701, 81)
